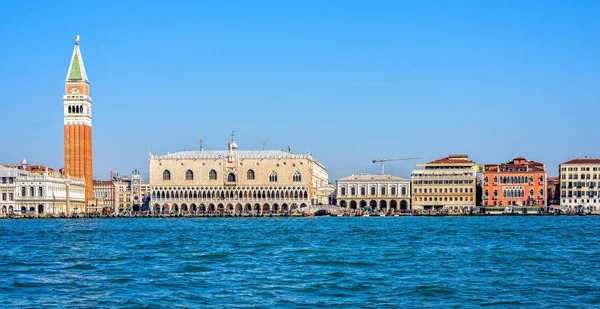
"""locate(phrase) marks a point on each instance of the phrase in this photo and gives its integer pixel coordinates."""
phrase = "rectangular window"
(363, 191)
(11, 196)
(4, 196)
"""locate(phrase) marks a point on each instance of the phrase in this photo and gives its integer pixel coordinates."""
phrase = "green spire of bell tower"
(76, 68)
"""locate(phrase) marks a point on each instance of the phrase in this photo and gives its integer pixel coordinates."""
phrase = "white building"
(324, 190)
(379, 192)
(40, 190)
(580, 184)
(103, 196)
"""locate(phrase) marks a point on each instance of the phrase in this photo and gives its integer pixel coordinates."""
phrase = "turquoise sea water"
(391, 262)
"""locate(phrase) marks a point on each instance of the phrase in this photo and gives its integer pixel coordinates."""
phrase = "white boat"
(382, 215)
(366, 215)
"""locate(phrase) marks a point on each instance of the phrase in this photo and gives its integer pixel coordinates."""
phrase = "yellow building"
(234, 181)
(445, 184)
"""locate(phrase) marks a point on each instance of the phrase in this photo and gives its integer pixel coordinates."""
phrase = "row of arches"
(230, 194)
(77, 109)
(216, 208)
(23, 209)
(513, 193)
(513, 179)
(231, 177)
(382, 204)
(373, 190)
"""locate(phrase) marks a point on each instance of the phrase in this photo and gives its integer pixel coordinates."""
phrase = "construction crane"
(383, 160)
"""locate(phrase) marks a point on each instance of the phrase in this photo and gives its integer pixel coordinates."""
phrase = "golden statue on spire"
(77, 38)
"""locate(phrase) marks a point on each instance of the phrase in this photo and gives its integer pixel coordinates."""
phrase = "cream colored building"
(40, 190)
(324, 190)
(131, 193)
(234, 181)
(580, 184)
(103, 196)
(448, 183)
(379, 192)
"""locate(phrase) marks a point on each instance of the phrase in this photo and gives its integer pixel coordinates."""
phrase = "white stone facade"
(379, 192)
(40, 192)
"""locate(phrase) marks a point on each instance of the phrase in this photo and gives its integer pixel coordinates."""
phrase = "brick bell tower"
(78, 122)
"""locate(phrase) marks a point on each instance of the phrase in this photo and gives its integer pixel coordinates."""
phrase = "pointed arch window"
(231, 177)
(273, 177)
(297, 177)
(212, 175)
(166, 175)
(250, 175)
(189, 175)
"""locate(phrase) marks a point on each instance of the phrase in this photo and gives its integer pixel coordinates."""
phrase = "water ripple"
(465, 262)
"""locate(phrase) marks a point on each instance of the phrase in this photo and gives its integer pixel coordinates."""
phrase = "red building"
(519, 182)
(77, 109)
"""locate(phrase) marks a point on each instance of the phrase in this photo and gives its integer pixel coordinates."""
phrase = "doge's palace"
(233, 181)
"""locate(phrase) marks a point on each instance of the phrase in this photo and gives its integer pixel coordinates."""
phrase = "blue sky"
(349, 81)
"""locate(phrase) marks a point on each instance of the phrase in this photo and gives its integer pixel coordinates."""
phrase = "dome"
(233, 145)
(24, 162)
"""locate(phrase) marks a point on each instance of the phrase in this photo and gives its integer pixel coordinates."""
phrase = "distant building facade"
(580, 184)
(234, 181)
(378, 192)
(40, 190)
(324, 191)
(104, 196)
(445, 184)
(553, 194)
(131, 193)
(519, 182)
